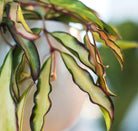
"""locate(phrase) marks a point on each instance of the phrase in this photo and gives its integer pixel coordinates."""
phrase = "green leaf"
(83, 79)
(17, 58)
(74, 46)
(7, 105)
(111, 44)
(20, 107)
(15, 15)
(1, 9)
(41, 98)
(36, 30)
(78, 8)
(30, 51)
(127, 44)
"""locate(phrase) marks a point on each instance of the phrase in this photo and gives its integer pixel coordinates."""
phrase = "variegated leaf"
(17, 58)
(41, 98)
(78, 8)
(21, 106)
(111, 44)
(7, 105)
(84, 80)
(99, 69)
(30, 51)
(74, 46)
(15, 15)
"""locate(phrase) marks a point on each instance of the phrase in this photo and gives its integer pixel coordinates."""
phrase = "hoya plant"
(13, 73)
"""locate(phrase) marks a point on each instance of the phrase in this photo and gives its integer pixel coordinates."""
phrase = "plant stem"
(53, 74)
(97, 52)
(46, 35)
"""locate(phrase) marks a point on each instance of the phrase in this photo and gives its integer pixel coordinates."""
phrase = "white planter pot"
(67, 99)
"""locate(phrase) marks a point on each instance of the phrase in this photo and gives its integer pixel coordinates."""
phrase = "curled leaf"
(115, 48)
(99, 69)
(15, 15)
(84, 80)
(30, 51)
(112, 31)
(41, 97)
(17, 58)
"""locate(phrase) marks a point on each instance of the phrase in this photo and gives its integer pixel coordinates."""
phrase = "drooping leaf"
(30, 51)
(111, 44)
(15, 15)
(17, 58)
(20, 107)
(78, 8)
(83, 79)
(112, 31)
(41, 98)
(7, 105)
(99, 69)
(74, 46)
(127, 44)
(1, 9)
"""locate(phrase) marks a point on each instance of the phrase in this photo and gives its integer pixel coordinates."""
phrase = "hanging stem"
(97, 51)
(46, 35)
(53, 74)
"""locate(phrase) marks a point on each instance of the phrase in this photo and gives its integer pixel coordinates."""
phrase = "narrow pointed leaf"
(99, 69)
(77, 7)
(15, 15)
(7, 105)
(20, 107)
(30, 51)
(74, 46)
(18, 66)
(17, 58)
(127, 44)
(41, 98)
(83, 79)
(111, 44)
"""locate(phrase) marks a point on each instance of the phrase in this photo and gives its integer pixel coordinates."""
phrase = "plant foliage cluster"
(13, 16)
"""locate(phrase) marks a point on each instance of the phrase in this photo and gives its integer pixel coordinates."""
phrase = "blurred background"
(124, 15)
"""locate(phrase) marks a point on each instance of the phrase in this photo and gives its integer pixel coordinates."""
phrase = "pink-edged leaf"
(111, 44)
(15, 15)
(84, 80)
(30, 51)
(41, 98)
(99, 69)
